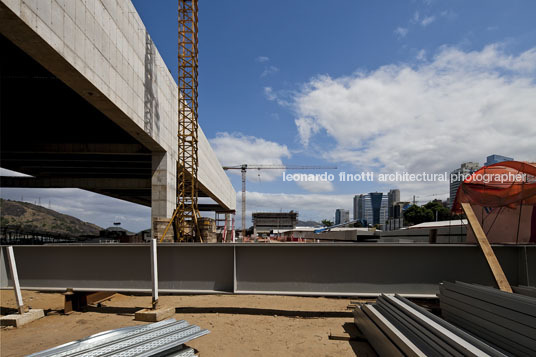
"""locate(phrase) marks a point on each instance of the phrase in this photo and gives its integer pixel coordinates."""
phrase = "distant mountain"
(37, 218)
(308, 224)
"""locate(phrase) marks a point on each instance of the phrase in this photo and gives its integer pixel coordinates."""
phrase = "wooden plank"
(483, 242)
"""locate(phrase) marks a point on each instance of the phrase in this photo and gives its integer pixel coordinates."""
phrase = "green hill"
(37, 218)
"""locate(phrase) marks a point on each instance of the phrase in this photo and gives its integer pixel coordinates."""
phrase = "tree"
(443, 213)
(418, 214)
(327, 223)
(358, 224)
(427, 213)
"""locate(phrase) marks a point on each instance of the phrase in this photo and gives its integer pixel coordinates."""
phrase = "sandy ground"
(240, 325)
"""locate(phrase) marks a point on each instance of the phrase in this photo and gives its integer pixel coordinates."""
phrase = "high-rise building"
(392, 198)
(493, 159)
(371, 208)
(458, 175)
(358, 207)
(342, 216)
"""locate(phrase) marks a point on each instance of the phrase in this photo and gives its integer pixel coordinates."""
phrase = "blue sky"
(381, 86)
(257, 58)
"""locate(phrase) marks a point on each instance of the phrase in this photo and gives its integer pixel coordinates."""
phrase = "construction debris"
(505, 320)
(164, 338)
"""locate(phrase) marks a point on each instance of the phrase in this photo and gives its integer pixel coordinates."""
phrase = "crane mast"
(187, 212)
(243, 169)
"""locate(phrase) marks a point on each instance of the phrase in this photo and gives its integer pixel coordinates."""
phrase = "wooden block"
(19, 320)
(155, 315)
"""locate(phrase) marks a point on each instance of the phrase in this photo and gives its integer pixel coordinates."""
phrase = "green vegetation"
(427, 213)
(327, 223)
(37, 218)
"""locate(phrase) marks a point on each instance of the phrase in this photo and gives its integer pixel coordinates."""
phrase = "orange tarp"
(503, 196)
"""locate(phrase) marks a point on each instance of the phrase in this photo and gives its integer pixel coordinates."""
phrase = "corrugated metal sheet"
(164, 338)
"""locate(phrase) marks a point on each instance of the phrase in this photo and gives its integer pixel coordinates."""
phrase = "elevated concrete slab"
(102, 52)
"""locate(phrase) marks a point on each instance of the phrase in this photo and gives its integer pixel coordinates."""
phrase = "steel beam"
(321, 269)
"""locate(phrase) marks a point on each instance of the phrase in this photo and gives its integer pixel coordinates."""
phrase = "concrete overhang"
(102, 54)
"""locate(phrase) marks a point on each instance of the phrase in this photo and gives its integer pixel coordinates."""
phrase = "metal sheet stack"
(164, 338)
(505, 320)
(395, 326)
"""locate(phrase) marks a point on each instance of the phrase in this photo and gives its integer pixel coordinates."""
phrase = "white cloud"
(416, 17)
(307, 127)
(459, 106)
(280, 97)
(421, 55)
(422, 20)
(237, 149)
(401, 32)
(427, 20)
(262, 59)
(268, 70)
(307, 205)
(316, 186)
(449, 14)
(269, 93)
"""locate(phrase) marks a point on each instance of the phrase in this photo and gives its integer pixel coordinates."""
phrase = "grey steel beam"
(346, 268)
(392, 332)
(422, 338)
(489, 327)
(498, 341)
(459, 332)
(520, 303)
(487, 307)
(321, 269)
(525, 290)
(453, 340)
(381, 343)
(508, 323)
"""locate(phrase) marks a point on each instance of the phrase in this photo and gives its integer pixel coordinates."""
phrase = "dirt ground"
(240, 325)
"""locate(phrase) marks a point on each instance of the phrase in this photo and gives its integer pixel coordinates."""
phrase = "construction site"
(101, 112)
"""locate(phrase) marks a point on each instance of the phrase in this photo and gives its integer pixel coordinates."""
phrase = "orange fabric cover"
(486, 187)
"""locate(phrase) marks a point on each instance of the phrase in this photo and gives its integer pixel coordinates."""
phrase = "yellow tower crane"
(186, 214)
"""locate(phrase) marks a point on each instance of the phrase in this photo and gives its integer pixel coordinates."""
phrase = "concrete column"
(163, 193)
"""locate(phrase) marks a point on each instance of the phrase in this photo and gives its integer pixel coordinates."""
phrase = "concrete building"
(493, 159)
(372, 208)
(342, 216)
(266, 222)
(397, 220)
(392, 198)
(86, 90)
(457, 176)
